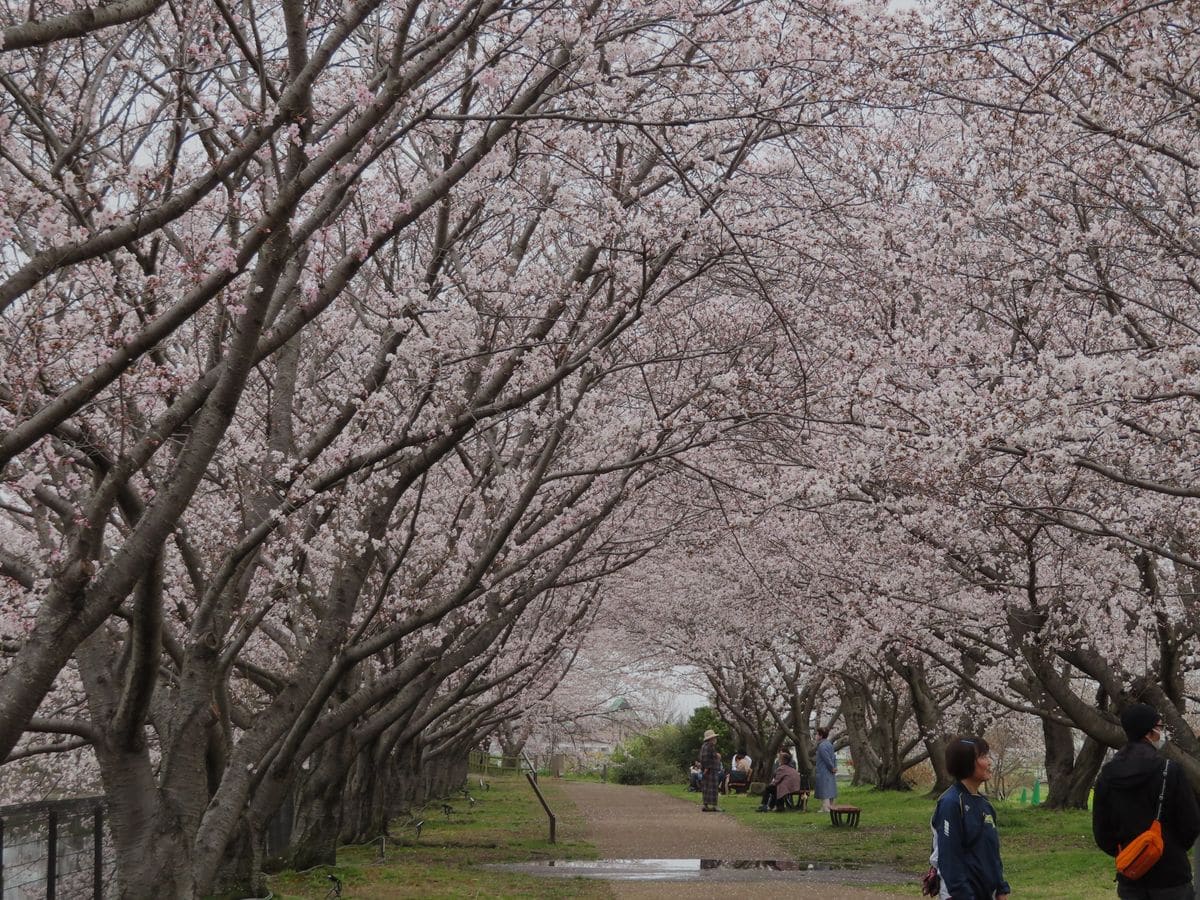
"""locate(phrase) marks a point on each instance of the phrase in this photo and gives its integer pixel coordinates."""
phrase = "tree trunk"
(1071, 776)
(153, 851)
(319, 805)
(874, 722)
(153, 855)
(1060, 761)
(854, 713)
(802, 711)
(512, 740)
(240, 873)
(1087, 767)
(765, 761)
(369, 796)
(929, 721)
(889, 774)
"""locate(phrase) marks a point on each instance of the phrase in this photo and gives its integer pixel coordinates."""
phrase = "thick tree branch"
(75, 24)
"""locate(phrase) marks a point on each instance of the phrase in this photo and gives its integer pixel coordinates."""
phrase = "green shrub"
(667, 744)
(663, 755)
(638, 770)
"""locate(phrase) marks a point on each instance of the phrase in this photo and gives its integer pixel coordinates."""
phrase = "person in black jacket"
(1126, 799)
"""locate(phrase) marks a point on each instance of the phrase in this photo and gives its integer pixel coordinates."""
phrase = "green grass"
(506, 825)
(593, 777)
(1048, 855)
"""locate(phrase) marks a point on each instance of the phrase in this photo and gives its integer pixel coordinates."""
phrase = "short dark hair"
(961, 754)
(822, 733)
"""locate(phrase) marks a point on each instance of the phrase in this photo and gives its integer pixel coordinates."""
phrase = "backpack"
(1138, 857)
(931, 883)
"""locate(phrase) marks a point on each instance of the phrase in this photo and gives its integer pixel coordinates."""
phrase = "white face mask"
(1160, 741)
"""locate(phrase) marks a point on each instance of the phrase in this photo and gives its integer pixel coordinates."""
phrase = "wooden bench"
(738, 782)
(844, 815)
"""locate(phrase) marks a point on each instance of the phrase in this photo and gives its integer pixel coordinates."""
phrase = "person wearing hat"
(710, 778)
(1126, 800)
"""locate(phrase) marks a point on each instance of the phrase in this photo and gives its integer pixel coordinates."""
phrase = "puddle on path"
(668, 869)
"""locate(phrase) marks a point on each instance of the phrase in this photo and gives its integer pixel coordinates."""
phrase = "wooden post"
(51, 854)
(533, 784)
(98, 854)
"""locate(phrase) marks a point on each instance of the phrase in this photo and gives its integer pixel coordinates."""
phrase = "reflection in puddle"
(673, 869)
(775, 865)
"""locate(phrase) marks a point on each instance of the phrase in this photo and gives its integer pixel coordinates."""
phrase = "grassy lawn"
(506, 824)
(1047, 855)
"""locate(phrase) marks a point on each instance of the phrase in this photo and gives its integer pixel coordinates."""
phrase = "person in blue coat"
(966, 844)
(826, 782)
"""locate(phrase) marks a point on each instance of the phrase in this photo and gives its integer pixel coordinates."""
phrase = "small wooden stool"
(798, 800)
(844, 815)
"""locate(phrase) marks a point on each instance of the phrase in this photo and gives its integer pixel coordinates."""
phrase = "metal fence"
(57, 849)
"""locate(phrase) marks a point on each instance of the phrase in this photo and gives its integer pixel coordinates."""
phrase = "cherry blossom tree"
(983, 430)
(340, 338)
(360, 359)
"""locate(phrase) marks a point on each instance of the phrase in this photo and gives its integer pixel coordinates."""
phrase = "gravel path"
(635, 823)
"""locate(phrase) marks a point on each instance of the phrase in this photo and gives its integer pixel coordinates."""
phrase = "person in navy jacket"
(966, 843)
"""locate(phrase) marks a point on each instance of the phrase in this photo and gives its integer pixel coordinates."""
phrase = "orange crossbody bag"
(1138, 857)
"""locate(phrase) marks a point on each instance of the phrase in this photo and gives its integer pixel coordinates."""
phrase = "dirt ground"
(635, 823)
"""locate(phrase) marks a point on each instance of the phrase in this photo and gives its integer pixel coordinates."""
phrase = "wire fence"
(56, 849)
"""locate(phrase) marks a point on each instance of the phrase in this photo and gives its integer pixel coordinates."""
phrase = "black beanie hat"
(1139, 720)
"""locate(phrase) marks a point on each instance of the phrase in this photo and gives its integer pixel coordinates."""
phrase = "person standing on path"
(826, 786)
(1127, 800)
(710, 776)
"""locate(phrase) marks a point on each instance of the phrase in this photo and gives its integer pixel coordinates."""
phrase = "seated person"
(739, 776)
(785, 781)
(695, 775)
